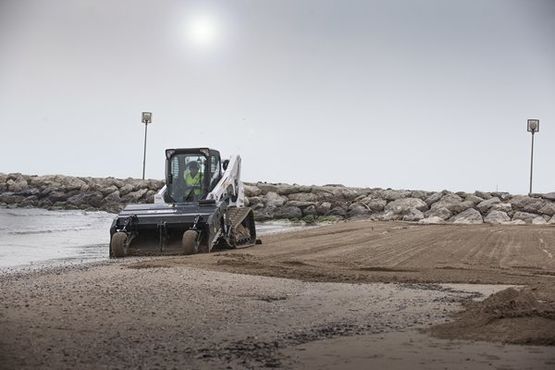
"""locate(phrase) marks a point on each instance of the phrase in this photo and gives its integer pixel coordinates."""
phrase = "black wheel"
(189, 242)
(118, 245)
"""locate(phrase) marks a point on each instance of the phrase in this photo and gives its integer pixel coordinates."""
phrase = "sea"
(38, 237)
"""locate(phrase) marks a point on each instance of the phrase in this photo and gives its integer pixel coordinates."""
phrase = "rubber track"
(237, 215)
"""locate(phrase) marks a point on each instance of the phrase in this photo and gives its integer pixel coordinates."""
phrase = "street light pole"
(533, 127)
(531, 162)
(146, 119)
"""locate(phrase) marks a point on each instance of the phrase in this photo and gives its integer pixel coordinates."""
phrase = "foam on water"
(31, 236)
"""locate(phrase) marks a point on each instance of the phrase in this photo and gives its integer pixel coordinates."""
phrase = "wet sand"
(358, 294)
(412, 349)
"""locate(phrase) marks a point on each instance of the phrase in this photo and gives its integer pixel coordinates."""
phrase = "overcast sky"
(428, 94)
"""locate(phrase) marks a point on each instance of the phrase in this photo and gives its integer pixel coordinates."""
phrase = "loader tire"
(189, 242)
(118, 245)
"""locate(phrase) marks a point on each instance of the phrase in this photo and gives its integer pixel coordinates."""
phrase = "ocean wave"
(50, 230)
(38, 212)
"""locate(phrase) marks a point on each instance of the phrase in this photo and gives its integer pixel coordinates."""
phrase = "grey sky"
(402, 94)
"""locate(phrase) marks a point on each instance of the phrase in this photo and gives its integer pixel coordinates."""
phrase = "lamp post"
(533, 127)
(147, 118)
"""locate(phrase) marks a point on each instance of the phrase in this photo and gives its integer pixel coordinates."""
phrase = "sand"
(351, 295)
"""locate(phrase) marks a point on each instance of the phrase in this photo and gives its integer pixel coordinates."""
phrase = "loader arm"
(230, 187)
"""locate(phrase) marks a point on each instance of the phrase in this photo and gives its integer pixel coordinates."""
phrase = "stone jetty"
(294, 202)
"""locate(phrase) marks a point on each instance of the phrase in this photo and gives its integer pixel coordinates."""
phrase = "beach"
(339, 296)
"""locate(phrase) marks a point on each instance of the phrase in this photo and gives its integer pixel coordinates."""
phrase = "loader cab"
(191, 174)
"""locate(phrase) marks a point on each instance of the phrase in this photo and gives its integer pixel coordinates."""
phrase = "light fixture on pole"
(147, 118)
(533, 127)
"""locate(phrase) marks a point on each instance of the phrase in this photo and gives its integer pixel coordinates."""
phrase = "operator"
(193, 177)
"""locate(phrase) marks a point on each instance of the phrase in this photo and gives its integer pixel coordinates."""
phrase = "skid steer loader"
(200, 208)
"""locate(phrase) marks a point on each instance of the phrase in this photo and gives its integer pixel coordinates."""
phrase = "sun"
(203, 30)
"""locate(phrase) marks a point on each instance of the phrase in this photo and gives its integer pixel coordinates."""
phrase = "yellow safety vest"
(194, 181)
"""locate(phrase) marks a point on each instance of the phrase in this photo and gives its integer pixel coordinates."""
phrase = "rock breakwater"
(67, 192)
(298, 202)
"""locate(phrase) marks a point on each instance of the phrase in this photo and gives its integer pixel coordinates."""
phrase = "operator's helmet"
(193, 165)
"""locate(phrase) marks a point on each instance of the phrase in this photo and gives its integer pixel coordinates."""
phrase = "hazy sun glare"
(202, 30)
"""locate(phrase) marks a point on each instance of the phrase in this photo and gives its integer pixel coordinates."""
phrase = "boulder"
(503, 195)
(473, 198)
(551, 221)
(11, 198)
(485, 205)
(392, 195)
(525, 216)
(56, 196)
(338, 211)
(264, 214)
(29, 192)
(289, 212)
(497, 217)
(126, 189)
(323, 208)
(483, 194)
(539, 221)
(413, 215)
(420, 194)
(117, 182)
(300, 204)
(149, 196)
(323, 195)
(44, 203)
(470, 216)
(17, 185)
(251, 190)
(108, 190)
(53, 181)
(272, 199)
(74, 183)
(435, 197)
(528, 204)
(548, 209)
(30, 201)
(310, 211)
(357, 210)
(134, 196)
(549, 196)
(337, 193)
(266, 188)
(462, 206)
(390, 216)
(154, 185)
(290, 189)
(256, 201)
(404, 205)
(440, 212)
(375, 205)
(113, 197)
(82, 200)
(503, 207)
(431, 220)
(303, 197)
(453, 203)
